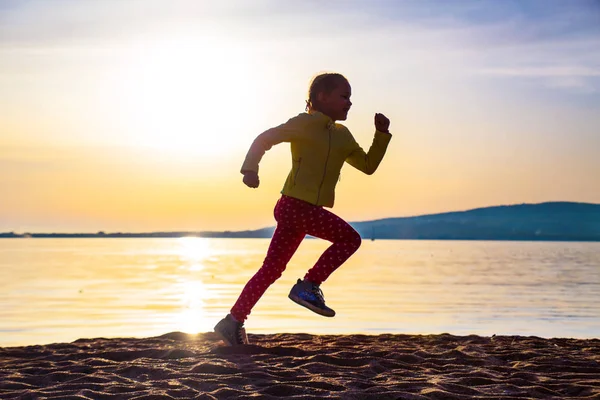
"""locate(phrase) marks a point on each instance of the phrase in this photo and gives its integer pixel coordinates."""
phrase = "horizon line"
(101, 232)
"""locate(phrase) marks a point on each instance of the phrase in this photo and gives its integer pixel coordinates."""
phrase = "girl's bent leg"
(345, 240)
(284, 244)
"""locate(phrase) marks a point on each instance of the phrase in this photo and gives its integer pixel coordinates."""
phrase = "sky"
(136, 115)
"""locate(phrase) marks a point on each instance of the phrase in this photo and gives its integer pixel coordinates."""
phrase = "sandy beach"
(303, 366)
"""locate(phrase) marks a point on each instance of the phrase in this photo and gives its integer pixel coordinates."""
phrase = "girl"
(319, 149)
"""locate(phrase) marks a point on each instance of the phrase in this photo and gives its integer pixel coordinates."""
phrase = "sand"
(302, 366)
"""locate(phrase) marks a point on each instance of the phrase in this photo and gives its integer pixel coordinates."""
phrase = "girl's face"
(337, 103)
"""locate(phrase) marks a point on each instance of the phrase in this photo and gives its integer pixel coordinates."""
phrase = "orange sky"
(130, 121)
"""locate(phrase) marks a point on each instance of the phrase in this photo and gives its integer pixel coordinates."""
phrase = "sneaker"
(231, 331)
(309, 295)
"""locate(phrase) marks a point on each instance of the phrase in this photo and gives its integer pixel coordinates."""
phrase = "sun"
(187, 96)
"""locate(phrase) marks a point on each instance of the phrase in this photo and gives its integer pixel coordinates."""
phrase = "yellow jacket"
(319, 148)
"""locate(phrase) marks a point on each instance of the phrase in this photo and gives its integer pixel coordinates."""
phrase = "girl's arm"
(369, 161)
(286, 132)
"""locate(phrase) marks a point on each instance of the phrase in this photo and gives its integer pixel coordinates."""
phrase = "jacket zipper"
(326, 162)
(297, 170)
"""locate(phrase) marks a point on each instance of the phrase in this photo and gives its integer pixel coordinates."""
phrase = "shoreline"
(300, 366)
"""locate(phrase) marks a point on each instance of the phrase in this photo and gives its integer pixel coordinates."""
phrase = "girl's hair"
(323, 83)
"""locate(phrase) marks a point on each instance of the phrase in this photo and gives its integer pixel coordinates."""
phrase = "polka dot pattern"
(296, 219)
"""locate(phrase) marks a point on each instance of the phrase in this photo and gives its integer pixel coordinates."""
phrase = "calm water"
(56, 290)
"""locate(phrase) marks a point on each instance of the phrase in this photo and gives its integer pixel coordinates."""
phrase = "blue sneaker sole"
(311, 307)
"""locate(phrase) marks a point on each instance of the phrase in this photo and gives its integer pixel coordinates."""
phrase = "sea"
(61, 290)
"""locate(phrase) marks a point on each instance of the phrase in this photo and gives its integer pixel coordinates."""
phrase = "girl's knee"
(354, 240)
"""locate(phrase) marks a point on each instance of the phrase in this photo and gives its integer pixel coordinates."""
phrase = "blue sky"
(554, 44)
(491, 102)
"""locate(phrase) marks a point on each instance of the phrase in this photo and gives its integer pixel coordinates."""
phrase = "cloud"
(546, 71)
(554, 44)
(572, 78)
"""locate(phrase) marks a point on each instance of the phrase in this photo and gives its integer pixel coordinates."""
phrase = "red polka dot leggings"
(295, 219)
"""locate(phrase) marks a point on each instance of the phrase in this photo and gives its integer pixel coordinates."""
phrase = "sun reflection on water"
(191, 292)
(192, 316)
(193, 249)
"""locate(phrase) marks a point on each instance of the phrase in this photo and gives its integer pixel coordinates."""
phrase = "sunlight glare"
(181, 95)
(194, 249)
(192, 294)
(193, 316)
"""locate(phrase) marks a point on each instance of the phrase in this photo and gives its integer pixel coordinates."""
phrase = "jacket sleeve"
(368, 162)
(286, 132)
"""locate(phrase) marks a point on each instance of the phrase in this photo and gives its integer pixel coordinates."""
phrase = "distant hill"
(546, 221)
(561, 221)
